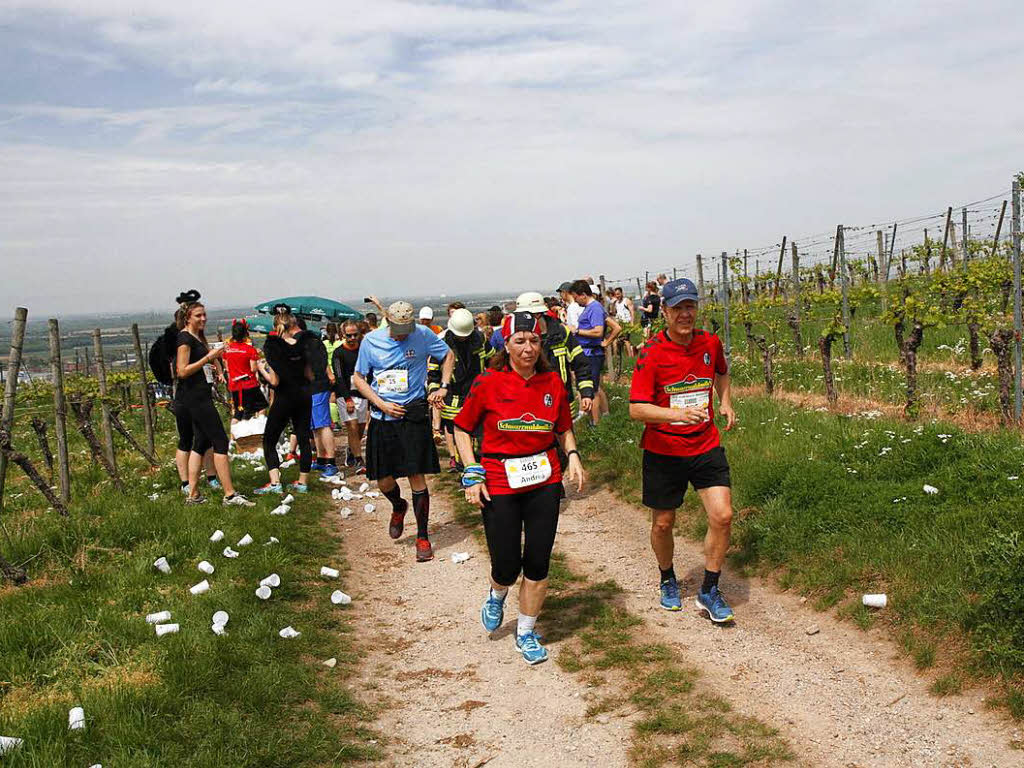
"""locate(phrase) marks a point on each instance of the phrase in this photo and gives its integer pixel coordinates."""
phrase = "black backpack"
(161, 355)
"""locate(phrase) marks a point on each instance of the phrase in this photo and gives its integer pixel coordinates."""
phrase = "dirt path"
(456, 696)
(841, 696)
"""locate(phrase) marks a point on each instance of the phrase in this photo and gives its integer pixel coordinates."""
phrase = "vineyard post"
(88, 362)
(147, 404)
(745, 273)
(639, 293)
(778, 271)
(999, 229)
(101, 376)
(847, 352)
(11, 386)
(1015, 232)
(892, 252)
(700, 277)
(963, 236)
(945, 238)
(725, 304)
(78, 363)
(797, 300)
(880, 262)
(60, 408)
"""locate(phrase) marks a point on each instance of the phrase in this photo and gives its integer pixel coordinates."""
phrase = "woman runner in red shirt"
(241, 357)
(522, 407)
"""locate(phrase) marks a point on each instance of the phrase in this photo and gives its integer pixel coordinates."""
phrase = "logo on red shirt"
(526, 423)
(690, 384)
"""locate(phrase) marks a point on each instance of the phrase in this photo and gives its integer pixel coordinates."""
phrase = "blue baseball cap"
(675, 291)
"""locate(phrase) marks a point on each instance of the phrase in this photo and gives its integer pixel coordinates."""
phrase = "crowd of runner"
(501, 389)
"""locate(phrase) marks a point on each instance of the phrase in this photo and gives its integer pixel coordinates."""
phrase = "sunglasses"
(351, 335)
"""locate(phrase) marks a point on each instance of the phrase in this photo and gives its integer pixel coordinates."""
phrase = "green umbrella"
(314, 308)
(260, 323)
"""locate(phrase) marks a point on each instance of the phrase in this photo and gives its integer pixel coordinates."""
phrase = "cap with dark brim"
(565, 287)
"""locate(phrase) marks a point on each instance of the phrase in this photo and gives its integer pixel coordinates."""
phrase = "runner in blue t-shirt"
(391, 373)
(590, 331)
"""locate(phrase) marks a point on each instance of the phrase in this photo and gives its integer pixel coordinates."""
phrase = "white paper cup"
(330, 573)
(273, 540)
(875, 601)
(364, 487)
(340, 598)
(264, 592)
(206, 567)
(158, 618)
(229, 552)
(162, 565)
(221, 617)
(200, 588)
(9, 744)
(76, 719)
(289, 499)
(346, 512)
(331, 663)
(166, 629)
(218, 535)
(245, 541)
(218, 629)
(289, 632)
(273, 580)
(368, 508)
(282, 509)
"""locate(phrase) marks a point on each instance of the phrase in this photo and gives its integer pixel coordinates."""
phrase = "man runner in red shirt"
(671, 393)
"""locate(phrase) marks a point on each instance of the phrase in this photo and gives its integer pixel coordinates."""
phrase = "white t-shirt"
(572, 314)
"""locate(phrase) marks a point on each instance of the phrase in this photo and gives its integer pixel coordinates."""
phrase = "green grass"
(76, 634)
(836, 506)
(679, 722)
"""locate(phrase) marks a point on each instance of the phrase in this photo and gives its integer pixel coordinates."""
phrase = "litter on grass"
(875, 601)
(273, 540)
(330, 573)
(340, 598)
(9, 744)
(245, 541)
(282, 509)
(221, 617)
(201, 588)
(229, 552)
(331, 663)
(289, 499)
(264, 593)
(289, 632)
(217, 536)
(206, 567)
(219, 630)
(162, 565)
(158, 618)
(273, 580)
(931, 490)
(76, 719)
(166, 629)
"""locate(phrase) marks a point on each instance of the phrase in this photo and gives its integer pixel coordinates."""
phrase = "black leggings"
(183, 421)
(297, 407)
(207, 428)
(506, 517)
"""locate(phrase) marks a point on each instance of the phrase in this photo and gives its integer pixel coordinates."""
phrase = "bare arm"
(185, 369)
(574, 470)
(596, 332)
(649, 413)
(393, 410)
(723, 386)
(616, 330)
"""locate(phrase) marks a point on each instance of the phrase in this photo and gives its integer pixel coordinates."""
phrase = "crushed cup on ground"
(162, 565)
(289, 632)
(217, 535)
(206, 567)
(201, 588)
(272, 540)
(245, 541)
(229, 552)
(221, 617)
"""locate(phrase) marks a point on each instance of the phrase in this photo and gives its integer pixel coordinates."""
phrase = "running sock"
(329, 462)
(499, 594)
(210, 478)
(421, 508)
(710, 580)
(526, 624)
(395, 497)
(184, 484)
(667, 573)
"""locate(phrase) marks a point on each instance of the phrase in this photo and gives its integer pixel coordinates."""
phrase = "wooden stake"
(101, 376)
(60, 408)
(725, 304)
(845, 275)
(39, 427)
(26, 466)
(83, 412)
(147, 401)
(945, 238)
(1015, 234)
(11, 386)
(778, 271)
(999, 228)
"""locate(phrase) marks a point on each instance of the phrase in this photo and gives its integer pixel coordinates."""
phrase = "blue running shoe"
(529, 645)
(329, 470)
(316, 466)
(213, 482)
(492, 613)
(298, 487)
(717, 609)
(268, 488)
(670, 598)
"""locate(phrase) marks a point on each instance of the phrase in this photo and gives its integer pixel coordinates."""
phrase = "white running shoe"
(238, 500)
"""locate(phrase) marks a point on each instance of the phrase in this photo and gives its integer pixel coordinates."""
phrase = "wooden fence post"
(778, 271)
(725, 304)
(963, 236)
(11, 386)
(945, 238)
(60, 408)
(147, 402)
(101, 375)
(999, 228)
(1015, 234)
(845, 282)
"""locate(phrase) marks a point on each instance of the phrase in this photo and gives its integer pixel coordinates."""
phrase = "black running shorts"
(666, 477)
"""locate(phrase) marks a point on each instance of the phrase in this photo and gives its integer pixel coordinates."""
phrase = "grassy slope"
(75, 635)
(835, 507)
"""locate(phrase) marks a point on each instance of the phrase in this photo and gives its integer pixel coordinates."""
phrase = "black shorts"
(596, 367)
(666, 477)
(246, 403)
(400, 449)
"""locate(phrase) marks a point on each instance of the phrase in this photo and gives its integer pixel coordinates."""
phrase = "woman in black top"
(194, 397)
(290, 376)
(651, 306)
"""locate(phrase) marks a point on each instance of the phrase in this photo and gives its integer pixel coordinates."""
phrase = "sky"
(253, 149)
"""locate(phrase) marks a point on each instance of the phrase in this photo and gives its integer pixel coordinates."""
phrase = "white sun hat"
(531, 301)
(461, 323)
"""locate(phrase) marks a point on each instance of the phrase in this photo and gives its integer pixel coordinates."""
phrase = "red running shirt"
(672, 375)
(520, 417)
(237, 355)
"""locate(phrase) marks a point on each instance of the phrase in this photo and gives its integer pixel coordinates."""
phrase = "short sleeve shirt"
(237, 356)
(672, 375)
(520, 417)
(397, 370)
(593, 316)
(497, 341)
(196, 386)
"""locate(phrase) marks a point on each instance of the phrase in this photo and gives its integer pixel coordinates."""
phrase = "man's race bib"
(527, 470)
(699, 399)
(393, 382)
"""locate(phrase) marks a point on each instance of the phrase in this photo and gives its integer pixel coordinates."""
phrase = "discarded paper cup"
(460, 557)
(346, 512)
(158, 618)
(281, 509)
(368, 508)
(206, 567)
(229, 552)
(364, 487)
(330, 573)
(162, 565)
(875, 601)
(245, 541)
(273, 540)
(340, 598)
(289, 631)
(76, 719)
(288, 499)
(221, 617)
(218, 629)
(217, 536)
(200, 588)
(166, 629)
(9, 744)
(273, 580)
(331, 663)
(264, 592)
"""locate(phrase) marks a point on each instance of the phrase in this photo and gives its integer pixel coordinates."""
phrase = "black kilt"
(400, 449)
